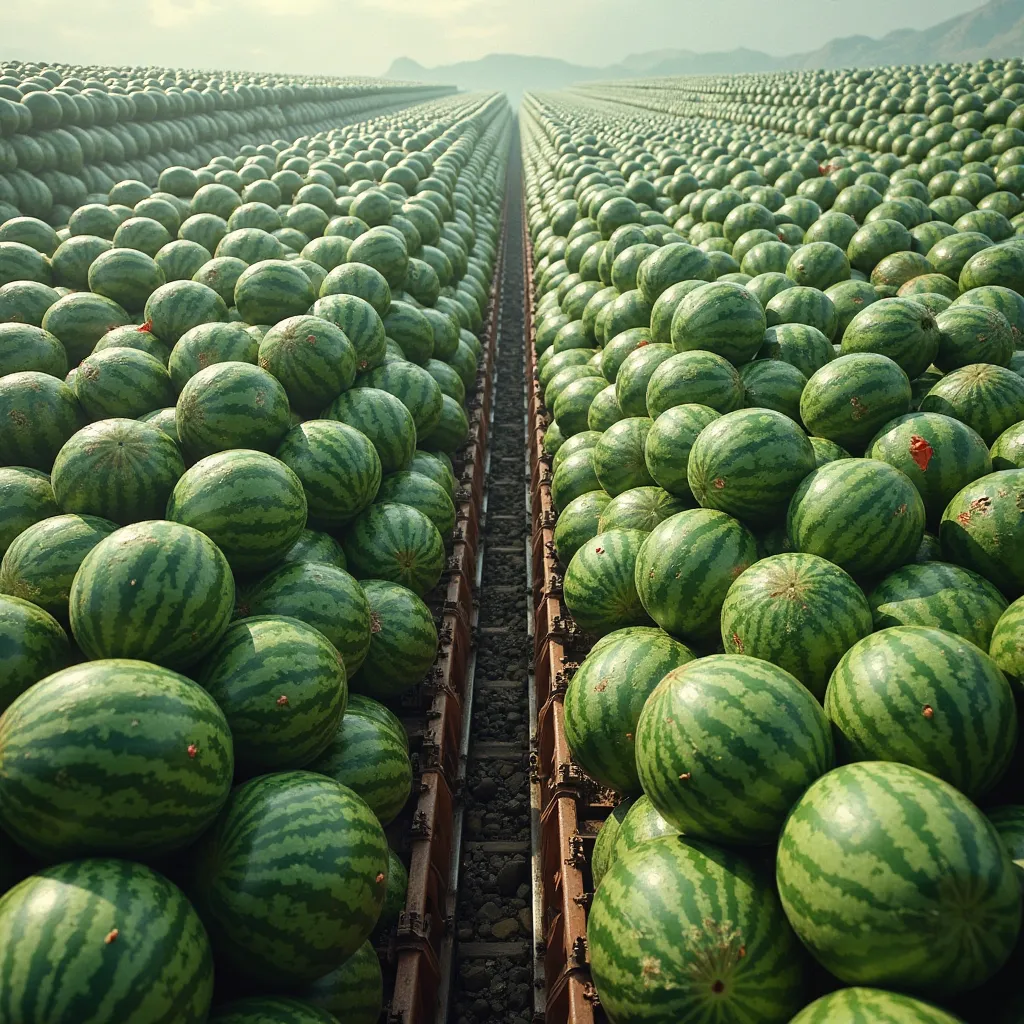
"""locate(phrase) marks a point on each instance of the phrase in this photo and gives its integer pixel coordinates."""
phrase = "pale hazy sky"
(364, 36)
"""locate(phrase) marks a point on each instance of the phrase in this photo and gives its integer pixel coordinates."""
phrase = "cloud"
(172, 14)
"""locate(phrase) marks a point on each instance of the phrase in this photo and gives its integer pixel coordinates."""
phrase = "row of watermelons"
(226, 490)
(787, 455)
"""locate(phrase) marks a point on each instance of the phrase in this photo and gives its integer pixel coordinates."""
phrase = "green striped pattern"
(358, 704)
(973, 334)
(726, 745)
(207, 344)
(851, 398)
(571, 445)
(338, 467)
(366, 755)
(312, 359)
(642, 823)
(599, 587)
(799, 345)
(132, 336)
(221, 273)
(411, 330)
(231, 405)
(445, 329)
(26, 497)
(898, 328)
(359, 279)
(871, 1006)
(360, 322)
(940, 595)
(865, 516)
(618, 348)
(422, 493)
(921, 896)
(802, 305)
(281, 685)
(682, 932)
(452, 429)
(748, 463)
(414, 387)
(133, 947)
(384, 251)
(251, 505)
(271, 1010)
(1007, 646)
(619, 456)
(315, 546)
(926, 698)
(668, 446)
(694, 378)
(685, 568)
(395, 542)
(634, 376)
(323, 596)
(604, 410)
(150, 749)
(601, 857)
(436, 468)
(157, 591)
(571, 407)
(41, 563)
(826, 451)
(983, 526)
(383, 418)
(118, 469)
(32, 645)
(80, 319)
(938, 453)
(797, 611)
(448, 379)
(604, 701)
(640, 508)
(38, 413)
(125, 382)
(271, 291)
(398, 891)
(175, 308)
(354, 992)
(723, 318)
(24, 347)
(773, 384)
(987, 398)
(316, 836)
(548, 369)
(668, 266)
(664, 309)
(403, 641)
(578, 523)
(1009, 823)
(1008, 448)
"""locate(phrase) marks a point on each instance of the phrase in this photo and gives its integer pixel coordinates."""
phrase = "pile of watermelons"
(228, 411)
(778, 330)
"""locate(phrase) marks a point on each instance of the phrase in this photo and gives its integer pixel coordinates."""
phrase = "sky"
(363, 37)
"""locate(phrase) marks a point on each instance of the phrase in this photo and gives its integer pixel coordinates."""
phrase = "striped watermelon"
(24, 347)
(619, 456)
(403, 641)
(437, 468)
(452, 430)
(38, 413)
(725, 746)
(78, 320)
(773, 384)
(604, 701)
(599, 587)
(681, 931)
(383, 250)
(1007, 646)
(282, 687)
(383, 418)
(723, 318)
(316, 546)
(670, 265)
(368, 757)
(332, 849)
(179, 260)
(360, 322)
(578, 523)
(1008, 448)
(685, 568)
(618, 348)
(157, 777)
(927, 698)
(871, 1006)
(271, 1010)
(1009, 823)
(32, 646)
(802, 347)
(803, 305)
(251, 505)
(271, 291)
(664, 308)
(668, 445)
(642, 823)
(940, 595)
(748, 463)
(973, 334)
(826, 451)
(353, 992)
(423, 494)
(601, 857)
(920, 896)
(157, 591)
(118, 469)
(358, 704)
(898, 328)
(411, 330)
(604, 410)
(864, 515)
(338, 467)
(574, 444)
(175, 308)
(26, 497)
(851, 398)
(136, 950)
(694, 378)
(414, 387)
(207, 344)
(448, 379)
(939, 454)
(988, 398)
(571, 407)
(640, 508)
(312, 359)
(221, 274)
(634, 376)
(132, 336)
(122, 382)
(361, 280)
(799, 612)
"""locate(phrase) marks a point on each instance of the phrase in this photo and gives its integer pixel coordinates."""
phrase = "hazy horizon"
(363, 37)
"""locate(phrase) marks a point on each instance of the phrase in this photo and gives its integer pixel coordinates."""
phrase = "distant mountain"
(995, 30)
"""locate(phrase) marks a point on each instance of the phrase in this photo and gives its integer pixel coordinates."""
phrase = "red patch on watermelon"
(282, 701)
(192, 750)
(921, 452)
(737, 642)
(928, 711)
(111, 936)
(598, 551)
(147, 327)
(641, 344)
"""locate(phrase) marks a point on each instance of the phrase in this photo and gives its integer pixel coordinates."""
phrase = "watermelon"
(207, 344)
(572, 445)
(32, 644)
(571, 406)
(725, 745)
(604, 701)
(353, 992)
(316, 546)
(157, 591)
(748, 463)
(270, 291)
(414, 387)
(1007, 648)
(723, 318)
(383, 418)
(26, 302)
(898, 328)
(848, 299)
(601, 858)
(1008, 448)
(988, 398)
(155, 962)
(773, 384)
(221, 274)
(24, 347)
(271, 1010)
(397, 543)
(973, 334)
(437, 467)
(865, 516)
(874, 1005)
(642, 823)
(982, 529)
(685, 567)
(360, 280)
(634, 376)
(338, 467)
(694, 378)
(922, 897)
(803, 347)
(26, 497)
(669, 442)
(38, 413)
(669, 265)
(448, 380)
(706, 938)
(939, 454)
(250, 245)
(1003, 300)
(122, 382)
(127, 277)
(604, 410)
(422, 493)
(575, 475)
(619, 456)
(578, 523)
(334, 852)
(640, 508)
(80, 319)
(132, 336)
(799, 612)
(175, 308)
(599, 587)
(231, 405)
(851, 398)
(413, 332)
(385, 252)
(452, 430)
